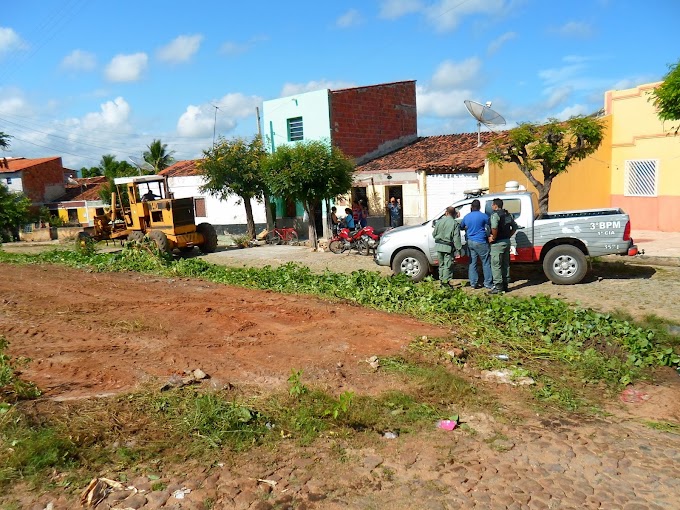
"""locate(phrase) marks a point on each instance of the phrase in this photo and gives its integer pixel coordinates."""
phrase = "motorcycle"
(362, 240)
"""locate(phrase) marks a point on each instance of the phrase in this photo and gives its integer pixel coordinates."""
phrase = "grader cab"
(143, 206)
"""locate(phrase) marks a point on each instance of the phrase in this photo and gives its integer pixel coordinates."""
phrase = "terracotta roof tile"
(18, 164)
(439, 154)
(181, 169)
(86, 189)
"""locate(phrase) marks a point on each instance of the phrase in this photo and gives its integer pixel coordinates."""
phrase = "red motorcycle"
(362, 240)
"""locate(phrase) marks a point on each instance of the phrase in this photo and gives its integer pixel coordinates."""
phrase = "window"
(512, 205)
(199, 207)
(73, 215)
(9, 180)
(295, 129)
(641, 178)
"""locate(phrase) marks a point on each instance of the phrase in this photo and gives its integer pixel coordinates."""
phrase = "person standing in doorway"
(363, 219)
(394, 209)
(446, 235)
(475, 223)
(335, 222)
(503, 227)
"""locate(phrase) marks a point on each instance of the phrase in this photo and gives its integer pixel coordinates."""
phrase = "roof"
(8, 165)
(83, 189)
(436, 154)
(181, 169)
(139, 178)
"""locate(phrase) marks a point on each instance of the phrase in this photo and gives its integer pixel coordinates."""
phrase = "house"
(428, 175)
(227, 216)
(364, 122)
(41, 180)
(81, 201)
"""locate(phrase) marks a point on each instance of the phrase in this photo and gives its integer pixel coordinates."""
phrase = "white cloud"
(127, 67)
(572, 111)
(437, 103)
(393, 9)
(112, 115)
(200, 120)
(10, 41)
(577, 29)
(558, 96)
(237, 48)
(451, 74)
(497, 43)
(180, 49)
(290, 89)
(446, 15)
(12, 102)
(79, 60)
(350, 19)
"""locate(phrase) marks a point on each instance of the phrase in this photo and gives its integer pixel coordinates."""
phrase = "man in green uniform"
(446, 235)
(503, 227)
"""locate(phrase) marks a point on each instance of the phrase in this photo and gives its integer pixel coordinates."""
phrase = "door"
(396, 193)
(445, 189)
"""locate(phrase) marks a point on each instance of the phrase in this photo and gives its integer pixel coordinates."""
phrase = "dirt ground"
(92, 334)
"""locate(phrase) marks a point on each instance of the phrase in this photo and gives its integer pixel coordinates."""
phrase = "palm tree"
(157, 156)
(4, 140)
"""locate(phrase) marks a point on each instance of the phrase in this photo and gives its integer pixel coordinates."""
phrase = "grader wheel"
(161, 241)
(136, 237)
(209, 244)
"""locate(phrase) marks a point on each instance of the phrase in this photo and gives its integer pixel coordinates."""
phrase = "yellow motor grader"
(151, 211)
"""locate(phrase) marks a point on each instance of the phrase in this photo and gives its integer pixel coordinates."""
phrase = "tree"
(111, 168)
(158, 156)
(666, 97)
(4, 140)
(233, 167)
(549, 148)
(94, 171)
(14, 209)
(309, 172)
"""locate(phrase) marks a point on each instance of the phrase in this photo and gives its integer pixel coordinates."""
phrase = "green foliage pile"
(599, 345)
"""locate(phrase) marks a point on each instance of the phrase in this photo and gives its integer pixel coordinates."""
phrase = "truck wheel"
(136, 236)
(412, 263)
(160, 240)
(209, 244)
(565, 265)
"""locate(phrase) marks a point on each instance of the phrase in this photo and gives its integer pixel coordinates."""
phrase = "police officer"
(446, 235)
(503, 227)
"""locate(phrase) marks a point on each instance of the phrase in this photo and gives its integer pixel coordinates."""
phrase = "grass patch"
(664, 426)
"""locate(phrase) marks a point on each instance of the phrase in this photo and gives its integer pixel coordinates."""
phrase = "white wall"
(313, 107)
(229, 212)
(16, 181)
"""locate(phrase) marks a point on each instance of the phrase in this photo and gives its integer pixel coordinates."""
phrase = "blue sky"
(83, 78)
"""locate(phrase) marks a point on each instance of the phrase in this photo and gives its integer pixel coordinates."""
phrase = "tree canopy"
(4, 140)
(309, 172)
(549, 148)
(233, 167)
(158, 156)
(112, 168)
(14, 209)
(666, 97)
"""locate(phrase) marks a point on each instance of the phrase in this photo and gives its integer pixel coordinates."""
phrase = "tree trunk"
(544, 196)
(312, 225)
(249, 217)
(268, 212)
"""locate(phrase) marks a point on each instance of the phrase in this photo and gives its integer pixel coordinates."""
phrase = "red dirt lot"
(91, 333)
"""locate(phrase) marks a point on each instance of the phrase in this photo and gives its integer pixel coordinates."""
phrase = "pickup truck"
(560, 241)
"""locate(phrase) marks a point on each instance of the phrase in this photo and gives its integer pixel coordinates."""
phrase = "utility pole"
(267, 204)
(215, 123)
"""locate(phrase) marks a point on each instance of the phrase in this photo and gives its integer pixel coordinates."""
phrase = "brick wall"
(365, 118)
(43, 178)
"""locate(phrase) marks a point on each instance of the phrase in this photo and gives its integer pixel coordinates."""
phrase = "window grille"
(199, 207)
(641, 177)
(295, 129)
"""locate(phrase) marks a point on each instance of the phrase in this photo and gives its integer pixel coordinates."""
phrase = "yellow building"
(645, 160)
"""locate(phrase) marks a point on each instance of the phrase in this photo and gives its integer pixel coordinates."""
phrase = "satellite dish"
(141, 164)
(484, 115)
(70, 180)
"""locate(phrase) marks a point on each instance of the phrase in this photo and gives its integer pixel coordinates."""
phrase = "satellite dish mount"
(484, 115)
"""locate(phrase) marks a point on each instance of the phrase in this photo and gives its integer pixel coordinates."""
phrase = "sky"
(84, 78)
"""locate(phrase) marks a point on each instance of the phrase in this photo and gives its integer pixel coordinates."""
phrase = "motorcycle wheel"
(336, 246)
(362, 247)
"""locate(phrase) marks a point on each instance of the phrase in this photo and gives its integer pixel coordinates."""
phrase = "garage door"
(444, 189)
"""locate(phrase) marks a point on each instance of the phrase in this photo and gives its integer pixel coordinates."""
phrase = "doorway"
(396, 193)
